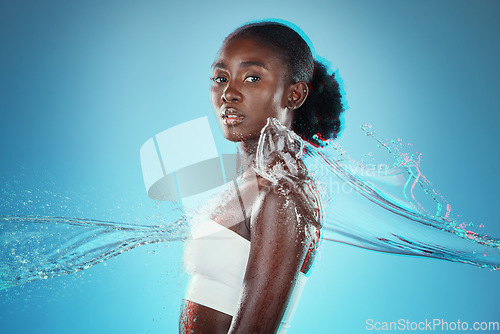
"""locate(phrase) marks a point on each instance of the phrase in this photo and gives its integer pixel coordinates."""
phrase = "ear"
(297, 94)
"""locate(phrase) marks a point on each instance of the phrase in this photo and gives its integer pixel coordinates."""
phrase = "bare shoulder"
(286, 206)
(298, 195)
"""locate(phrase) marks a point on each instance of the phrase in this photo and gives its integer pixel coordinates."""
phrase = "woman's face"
(249, 87)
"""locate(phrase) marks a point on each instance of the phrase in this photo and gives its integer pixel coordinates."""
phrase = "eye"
(252, 78)
(218, 79)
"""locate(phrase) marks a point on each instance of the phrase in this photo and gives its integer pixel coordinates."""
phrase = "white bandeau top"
(216, 260)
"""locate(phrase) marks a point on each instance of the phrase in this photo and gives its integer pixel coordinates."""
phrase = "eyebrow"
(242, 64)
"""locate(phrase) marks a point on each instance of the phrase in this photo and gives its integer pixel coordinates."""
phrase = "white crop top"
(216, 260)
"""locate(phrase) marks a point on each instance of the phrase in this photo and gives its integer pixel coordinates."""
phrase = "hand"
(279, 152)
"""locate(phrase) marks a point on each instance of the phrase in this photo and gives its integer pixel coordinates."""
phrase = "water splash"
(372, 206)
(376, 207)
(35, 247)
(410, 162)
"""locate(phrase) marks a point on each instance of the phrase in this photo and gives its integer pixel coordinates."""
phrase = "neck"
(248, 150)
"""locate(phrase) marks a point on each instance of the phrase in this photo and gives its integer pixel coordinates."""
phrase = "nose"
(231, 93)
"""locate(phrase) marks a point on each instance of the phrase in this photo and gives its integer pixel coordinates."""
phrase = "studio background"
(84, 84)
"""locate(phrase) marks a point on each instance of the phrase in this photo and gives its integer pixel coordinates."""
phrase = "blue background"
(83, 84)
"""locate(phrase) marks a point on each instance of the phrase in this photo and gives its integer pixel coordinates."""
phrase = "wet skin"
(250, 86)
(280, 243)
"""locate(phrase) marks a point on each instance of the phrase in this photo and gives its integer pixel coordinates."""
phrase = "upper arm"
(282, 231)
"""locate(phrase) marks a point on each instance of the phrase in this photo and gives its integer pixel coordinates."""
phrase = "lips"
(231, 117)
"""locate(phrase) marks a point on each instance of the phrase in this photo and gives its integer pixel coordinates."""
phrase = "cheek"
(216, 97)
(264, 100)
(280, 99)
(273, 96)
(271, 104)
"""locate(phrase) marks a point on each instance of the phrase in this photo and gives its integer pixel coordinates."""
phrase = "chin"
(236, 136)
(232, 138)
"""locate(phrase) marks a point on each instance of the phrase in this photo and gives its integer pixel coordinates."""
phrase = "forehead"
(247, 49)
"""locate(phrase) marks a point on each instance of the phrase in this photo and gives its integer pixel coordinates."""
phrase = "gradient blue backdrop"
(83, 84)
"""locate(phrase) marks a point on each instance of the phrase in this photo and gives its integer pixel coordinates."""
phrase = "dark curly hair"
(318, 119)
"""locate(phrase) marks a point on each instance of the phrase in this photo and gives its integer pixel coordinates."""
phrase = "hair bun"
(318, 119)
